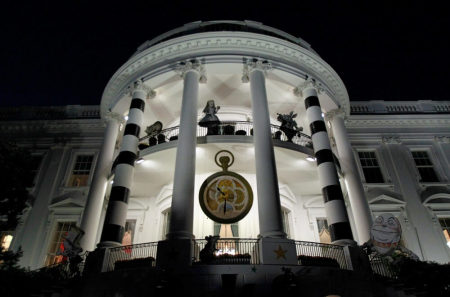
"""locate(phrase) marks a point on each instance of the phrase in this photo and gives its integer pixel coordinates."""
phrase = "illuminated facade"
(385, 156)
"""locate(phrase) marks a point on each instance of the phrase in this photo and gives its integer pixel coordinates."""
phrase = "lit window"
(81, 171)
(54, 255)
(370, 167)
(226, 230)
(424, 166)
(5, 240)
(445, 224)
(128, 236)
(285, 218)
(166, 223)
(324, 232)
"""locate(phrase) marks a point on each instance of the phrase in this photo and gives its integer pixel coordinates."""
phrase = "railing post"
(357, 260)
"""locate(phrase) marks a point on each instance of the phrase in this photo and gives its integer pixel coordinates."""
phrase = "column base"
(345, 242)
(277, 251)
(174, 253)
(108, 244)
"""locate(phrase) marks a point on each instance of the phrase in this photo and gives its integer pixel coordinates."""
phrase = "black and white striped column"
(335, 210)
(113, 228)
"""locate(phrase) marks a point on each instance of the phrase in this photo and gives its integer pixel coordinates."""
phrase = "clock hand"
(220, 191)
(225, 206)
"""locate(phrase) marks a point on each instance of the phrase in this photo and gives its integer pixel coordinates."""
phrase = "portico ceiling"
(158, 168)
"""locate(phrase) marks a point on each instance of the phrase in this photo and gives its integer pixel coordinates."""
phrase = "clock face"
(226, 197)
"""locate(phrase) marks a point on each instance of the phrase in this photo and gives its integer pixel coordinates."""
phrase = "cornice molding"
(386, 122)
(284, 55)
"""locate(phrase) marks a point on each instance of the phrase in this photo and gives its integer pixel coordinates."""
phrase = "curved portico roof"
(225, 44)
(224, 25)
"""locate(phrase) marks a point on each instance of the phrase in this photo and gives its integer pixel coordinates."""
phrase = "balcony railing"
(380, 266)
(129, 256)
(230, 251)
(317, 254)
(228, 128)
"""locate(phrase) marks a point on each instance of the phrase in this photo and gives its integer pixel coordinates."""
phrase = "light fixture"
(310, 159)
(126, 118)
(139, 161)
(111, 182)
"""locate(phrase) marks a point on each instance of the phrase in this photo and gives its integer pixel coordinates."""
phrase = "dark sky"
(54, 53)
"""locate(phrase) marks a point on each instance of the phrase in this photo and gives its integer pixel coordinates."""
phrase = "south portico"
(271, 230)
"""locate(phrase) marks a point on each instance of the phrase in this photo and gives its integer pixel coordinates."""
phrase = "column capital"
(308, 83)
(391, 140)
(253, 64)
(338, 112)
(191, 65)
(139, 85)
(442, 139)
(113, 116)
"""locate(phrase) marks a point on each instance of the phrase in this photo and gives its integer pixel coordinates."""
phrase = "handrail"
(314, 251)
(242, 128)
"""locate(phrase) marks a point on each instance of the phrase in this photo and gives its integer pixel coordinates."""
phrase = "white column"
(182, 209)
(94, 203)
(339, 225)
(358, 202)
(269, 207)
(116, 213)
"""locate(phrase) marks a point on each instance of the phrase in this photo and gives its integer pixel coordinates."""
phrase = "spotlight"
(139, 161)
(310, 159)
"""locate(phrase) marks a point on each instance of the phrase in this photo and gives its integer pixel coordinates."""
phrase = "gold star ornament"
(280, 253)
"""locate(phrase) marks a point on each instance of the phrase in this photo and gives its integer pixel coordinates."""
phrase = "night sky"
(58, 54)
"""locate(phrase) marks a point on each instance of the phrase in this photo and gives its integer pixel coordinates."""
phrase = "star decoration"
(280, 252)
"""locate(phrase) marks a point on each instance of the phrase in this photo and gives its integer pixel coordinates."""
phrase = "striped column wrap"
(114, 226)
(336, 212)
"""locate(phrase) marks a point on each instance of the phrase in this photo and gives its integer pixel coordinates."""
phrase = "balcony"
(229, 251)
(225, 132)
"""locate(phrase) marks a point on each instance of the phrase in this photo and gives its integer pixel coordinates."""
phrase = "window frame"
(381, 165)
(53, 229)
(432, 157)
(73, 159)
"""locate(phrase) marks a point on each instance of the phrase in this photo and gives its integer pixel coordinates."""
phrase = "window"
(226, 230)
(81, 171)
(370, 167)
(285, 218)
(324, 232)
(128, 236)
(445, 224)
(425, 167)
(5, 240)
(166, 223)
(54, 254)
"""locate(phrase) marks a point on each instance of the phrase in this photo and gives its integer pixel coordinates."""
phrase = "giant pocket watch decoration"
(225, 197)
